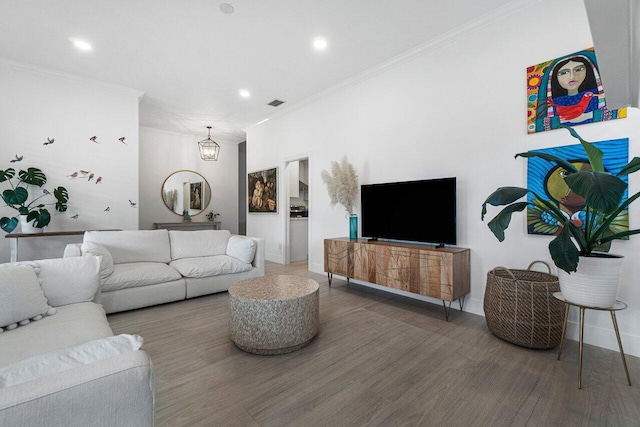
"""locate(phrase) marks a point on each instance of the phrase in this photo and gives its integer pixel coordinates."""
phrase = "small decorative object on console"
(211, 216)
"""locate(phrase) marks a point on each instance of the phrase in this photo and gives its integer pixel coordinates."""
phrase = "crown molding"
(499, 14)
(21, 66)
(196, 137)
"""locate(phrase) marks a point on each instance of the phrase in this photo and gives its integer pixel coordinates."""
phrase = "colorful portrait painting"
(567, 90)
(546, 179)
(262, 191)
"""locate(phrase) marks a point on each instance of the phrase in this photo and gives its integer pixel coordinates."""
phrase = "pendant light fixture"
(209, 149)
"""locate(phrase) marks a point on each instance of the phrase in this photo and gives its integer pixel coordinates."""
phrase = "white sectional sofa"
(60, 364)
(140, 268)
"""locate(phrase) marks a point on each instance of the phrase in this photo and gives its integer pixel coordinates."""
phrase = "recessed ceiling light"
(244, 93)
(226, 8)
(320, 43)
(80, 44)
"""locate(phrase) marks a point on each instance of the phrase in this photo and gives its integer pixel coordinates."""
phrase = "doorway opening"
(297, 236)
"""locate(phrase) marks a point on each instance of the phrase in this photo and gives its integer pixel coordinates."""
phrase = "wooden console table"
(13, 244)
(208, 225)
(437, 272)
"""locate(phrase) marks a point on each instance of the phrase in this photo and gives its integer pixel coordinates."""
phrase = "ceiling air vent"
(276, 103)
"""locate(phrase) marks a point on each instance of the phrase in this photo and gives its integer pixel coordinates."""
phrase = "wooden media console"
(437, 272)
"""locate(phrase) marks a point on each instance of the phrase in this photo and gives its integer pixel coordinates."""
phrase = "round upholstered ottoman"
(273, 314)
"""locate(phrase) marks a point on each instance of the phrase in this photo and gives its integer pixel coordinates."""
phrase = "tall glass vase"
(353, 226)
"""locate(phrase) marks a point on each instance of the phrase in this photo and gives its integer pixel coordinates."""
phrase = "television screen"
(420, 211)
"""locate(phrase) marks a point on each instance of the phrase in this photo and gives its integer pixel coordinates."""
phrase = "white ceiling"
(190, 59)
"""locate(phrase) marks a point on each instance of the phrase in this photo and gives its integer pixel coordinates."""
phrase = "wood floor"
(378, 360)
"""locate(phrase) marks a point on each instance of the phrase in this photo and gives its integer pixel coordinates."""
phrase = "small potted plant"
(211, 216)
(33, 213)
(578, 251)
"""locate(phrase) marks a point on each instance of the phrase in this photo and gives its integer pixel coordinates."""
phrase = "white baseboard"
(594, 335)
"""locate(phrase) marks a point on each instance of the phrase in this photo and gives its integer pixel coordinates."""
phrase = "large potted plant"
(579, 251)
(33, 214)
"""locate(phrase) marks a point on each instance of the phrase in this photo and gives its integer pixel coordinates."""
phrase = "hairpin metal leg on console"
(447, 310)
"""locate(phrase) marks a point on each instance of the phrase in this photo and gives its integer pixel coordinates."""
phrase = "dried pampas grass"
(342, 184)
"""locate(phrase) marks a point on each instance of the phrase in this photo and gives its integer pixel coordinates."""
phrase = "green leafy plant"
(602, 193)
(17, 196)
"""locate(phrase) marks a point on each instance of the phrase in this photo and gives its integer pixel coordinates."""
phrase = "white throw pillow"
(96, 249)
(67, 358)
(21, 297)
(242, 248)
(69, 280)
(66, 280)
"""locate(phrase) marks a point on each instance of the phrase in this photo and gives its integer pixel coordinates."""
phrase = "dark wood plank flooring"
(378, 360)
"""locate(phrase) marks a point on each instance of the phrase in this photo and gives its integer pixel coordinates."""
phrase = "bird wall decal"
(94, 139)
(99, 180)
(17, 159)
(107, 209)
(132, 204)
(84, 173)
(75, 216)
(49, 141)
(73, 175)
(121, 139)
(90, 177)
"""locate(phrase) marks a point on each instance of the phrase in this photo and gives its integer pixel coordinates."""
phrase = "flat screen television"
(419, 211)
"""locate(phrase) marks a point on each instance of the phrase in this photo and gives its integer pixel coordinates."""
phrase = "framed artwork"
(567, 90)
(546, 179)
(195, 196)
(262, 191)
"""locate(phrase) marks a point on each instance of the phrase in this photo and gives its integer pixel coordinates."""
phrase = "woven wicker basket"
(519, 307)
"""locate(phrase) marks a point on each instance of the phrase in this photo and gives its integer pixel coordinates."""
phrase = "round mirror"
(186, 190)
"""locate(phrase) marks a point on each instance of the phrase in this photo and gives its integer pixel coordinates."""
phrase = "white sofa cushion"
(96, 249)
(68, 358)
(21, 297)
(73, 324)
(209, 266)
(199, 243)
(133, 275)
(242, 248)
(133, 245)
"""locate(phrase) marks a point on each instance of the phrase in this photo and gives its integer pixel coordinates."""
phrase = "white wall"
(163, 152)
(457, 109)
(37, 104)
